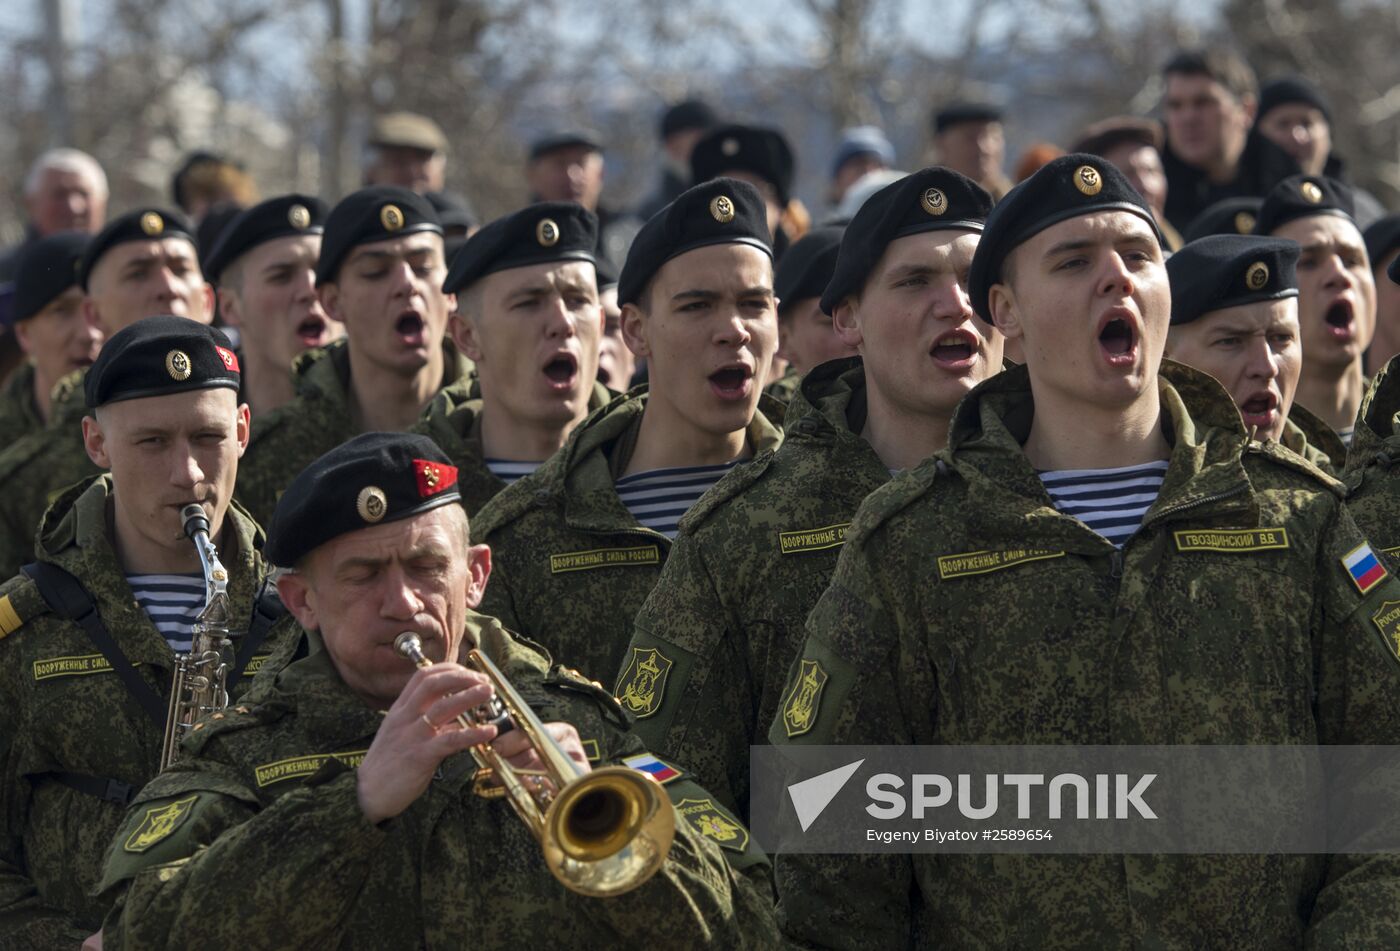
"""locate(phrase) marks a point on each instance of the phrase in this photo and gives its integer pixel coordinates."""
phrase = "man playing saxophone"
(341, 811)
(89, 634)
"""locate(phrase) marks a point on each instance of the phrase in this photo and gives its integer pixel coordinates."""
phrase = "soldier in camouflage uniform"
(50, 328)
(82, 710)
(577, 545)
(347, 788)
(1374, 451)
(380, 274)
(142, 264)
(528, 317)
(967, 608)
(726, 617)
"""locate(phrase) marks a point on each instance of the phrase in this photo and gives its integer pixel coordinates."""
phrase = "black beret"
(960, 112)
(931, 199)
(206, 233)
(1292, 89)
(453, 211)
(159, 356)
(45, 269)
(720, 211)
(1227, 270)
(1063, 188)
(143, 224)
(744, 148)
(1227, 216)
(554, 141)
(1382, 237)
(372, 479)
(690, 114)
(806, 268)
(1302, 196)
(607, 273)
(377, 213)
(537, 234)
(280, 217)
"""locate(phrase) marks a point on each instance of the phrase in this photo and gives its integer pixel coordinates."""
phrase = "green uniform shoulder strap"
(20, 603)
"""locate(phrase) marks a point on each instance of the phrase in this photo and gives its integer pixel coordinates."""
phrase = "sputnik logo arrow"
(811, 796)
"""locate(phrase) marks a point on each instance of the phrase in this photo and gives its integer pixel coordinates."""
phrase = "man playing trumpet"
(340, 811)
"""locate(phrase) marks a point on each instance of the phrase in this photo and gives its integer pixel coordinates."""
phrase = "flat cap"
(407, 130)
(720, 211)
(45, 269)
(158, 356)
(1382, 237)
(1227, 216)
(1227, 270)
(806, 268)
(1107, 134)
(1067, 187)
(1289, 89)
(569, 138)
(745, 148)
(372, 479)
(143, 224)
(537, 234)
(862, 140)
(1302, 196)
(931, 199)
(686, 115)
(377, 213)
(959, 112)
(282, 217)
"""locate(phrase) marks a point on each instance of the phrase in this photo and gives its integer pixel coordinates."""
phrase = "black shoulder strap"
(66, 597)
(267, 611)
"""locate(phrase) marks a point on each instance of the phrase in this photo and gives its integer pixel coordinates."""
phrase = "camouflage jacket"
(1314, 440)
(785, 386)
(570, 566)
(966, 610)
(453, 421)
(271, 788)
(63, 710)
(1371, 472)
(19, 416)
(714, 640)
(291, 437)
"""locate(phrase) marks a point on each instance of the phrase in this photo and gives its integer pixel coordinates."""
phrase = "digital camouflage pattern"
(1308, 436)
(63, 709)
(19, 415)
(255, 839)
(291, 437)
(965, 610)
(453, 421)
(570, 566)
(752, 557)
(785, 386)
(1371, 473)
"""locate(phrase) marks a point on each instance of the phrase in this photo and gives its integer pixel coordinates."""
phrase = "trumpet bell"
(608, 831)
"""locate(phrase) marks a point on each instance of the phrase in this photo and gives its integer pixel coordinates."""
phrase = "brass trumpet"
(603, 832)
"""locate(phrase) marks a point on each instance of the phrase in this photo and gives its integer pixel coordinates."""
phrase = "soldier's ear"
(465, 336)
(1006, 314)
(95, 442)
(229, 309)
(330, 300)
(299, 599)
(244, 428)
(634, 330)
(206, 294)
(843, 319)
(91, 314)
(479, 570)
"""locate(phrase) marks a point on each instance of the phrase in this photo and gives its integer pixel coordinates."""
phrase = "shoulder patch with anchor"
(158, 823)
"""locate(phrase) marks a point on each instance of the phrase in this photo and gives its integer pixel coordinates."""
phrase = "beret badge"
(1311, 192)
(152, 223)
(177, 364)
(1257, 276)
(934, 201)
(722, 209)
(547, 233)
(433, 477)
(730, 147)
(1244, 222)
(1088, 180)
(372, 504)
(391, 217)
(299, 217)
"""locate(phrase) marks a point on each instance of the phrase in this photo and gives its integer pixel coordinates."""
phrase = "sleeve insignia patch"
(1232, 540)
(1387, 621)
(75, 666)
(712, 822)
(812, 539)
(658, 770)
(604, 558)
(255, 664)
(643, 682)
(158, 823)
(803, 701)
(1363, 567)
(983, 562)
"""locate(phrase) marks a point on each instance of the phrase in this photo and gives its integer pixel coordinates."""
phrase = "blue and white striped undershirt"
(172, 602)
(509, 471)
(1110, 501)
(658, 498)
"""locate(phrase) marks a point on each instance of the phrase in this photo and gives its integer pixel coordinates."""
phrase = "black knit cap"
(931, 199)
(1292, 89)
(377, 213)
(159, 356)
(960, 112)
(372, 479)
(720, 211)
(1302, 196)
(537, 234)
(282, 217)
(1066, 187)
(1382, 237)
(1227, 216)
(1227, 270)
(688, 114)
(143, 224)
(45, 269)
(745, 148)
(806, 268)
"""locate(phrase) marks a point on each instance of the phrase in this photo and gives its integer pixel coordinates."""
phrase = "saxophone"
(201, 676)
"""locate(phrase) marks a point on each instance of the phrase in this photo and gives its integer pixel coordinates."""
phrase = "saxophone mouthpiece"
(195, 520)
(409, 645)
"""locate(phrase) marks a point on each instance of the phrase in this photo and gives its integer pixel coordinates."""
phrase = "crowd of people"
(1095, 450)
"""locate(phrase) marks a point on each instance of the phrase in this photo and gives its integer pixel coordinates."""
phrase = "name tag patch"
(255, 663)
(75, 666)
(813, 539)
(983, 562)
(604, 558)
(1232, 539)
(299, 766)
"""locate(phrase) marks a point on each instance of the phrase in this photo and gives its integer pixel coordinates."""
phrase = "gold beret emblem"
(372, 504)
(1257, 276)
(1311, 192)
(934, 201)
(1244, 222)
(729, 147)
(547, 233)
(298, 217)
(152, 223)
(391, 217)
(722, 209)
(177, 364)
(1087, 180)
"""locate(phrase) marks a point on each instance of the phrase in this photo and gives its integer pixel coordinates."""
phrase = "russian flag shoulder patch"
(662, 772)
(1364, 568)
